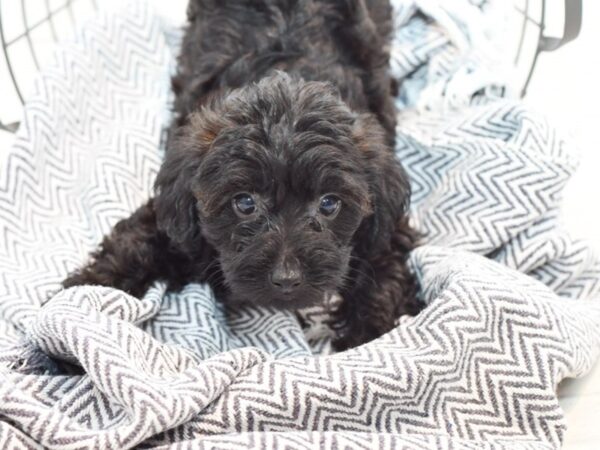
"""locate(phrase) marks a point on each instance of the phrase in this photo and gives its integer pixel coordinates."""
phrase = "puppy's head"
(286, 183)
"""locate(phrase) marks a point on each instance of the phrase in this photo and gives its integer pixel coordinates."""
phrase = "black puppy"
(279, 186)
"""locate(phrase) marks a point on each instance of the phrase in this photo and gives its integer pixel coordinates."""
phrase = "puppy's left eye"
(329, 205)
(244, 204)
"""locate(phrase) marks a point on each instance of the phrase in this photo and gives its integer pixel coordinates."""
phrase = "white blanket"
(507, 290)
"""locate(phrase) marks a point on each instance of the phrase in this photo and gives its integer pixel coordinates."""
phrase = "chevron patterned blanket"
(507, 290)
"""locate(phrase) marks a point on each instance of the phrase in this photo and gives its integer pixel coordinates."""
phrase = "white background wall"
(566, 87)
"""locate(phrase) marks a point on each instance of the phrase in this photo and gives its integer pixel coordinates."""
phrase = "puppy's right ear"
(175, 201)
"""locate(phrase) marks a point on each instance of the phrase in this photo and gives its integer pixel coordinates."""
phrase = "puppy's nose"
(286, 276)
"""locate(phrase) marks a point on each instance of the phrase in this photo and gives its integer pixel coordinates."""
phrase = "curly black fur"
(287, 100)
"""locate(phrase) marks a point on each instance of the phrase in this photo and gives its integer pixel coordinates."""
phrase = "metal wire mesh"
(528, 21)
(33, 15)
(534, 14)
(28, 29)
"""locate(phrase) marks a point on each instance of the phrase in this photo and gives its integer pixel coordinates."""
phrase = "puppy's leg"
(367, 39)
(364, 30)
(383, 289)
(132, 256)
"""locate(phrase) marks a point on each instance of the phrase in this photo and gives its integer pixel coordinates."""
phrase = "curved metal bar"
(50, 21)
(28, 37)
(70, 11)
(523, 28)
(7, 58)
(537, 53)
(572, 28)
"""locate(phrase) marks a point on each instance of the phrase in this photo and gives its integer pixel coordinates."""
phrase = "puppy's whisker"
(355, 270)
(215, 279)
(209, 267)
(363, 261)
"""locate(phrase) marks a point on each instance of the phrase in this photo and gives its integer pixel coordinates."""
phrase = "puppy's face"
(281, 200)
(280, 179)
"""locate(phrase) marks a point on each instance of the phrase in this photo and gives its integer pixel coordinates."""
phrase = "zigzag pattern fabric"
(508, 292)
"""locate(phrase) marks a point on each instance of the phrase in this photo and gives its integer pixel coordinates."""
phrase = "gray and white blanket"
(507, 290)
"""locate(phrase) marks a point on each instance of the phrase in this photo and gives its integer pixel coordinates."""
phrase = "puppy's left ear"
(388, 184)
(175, 202)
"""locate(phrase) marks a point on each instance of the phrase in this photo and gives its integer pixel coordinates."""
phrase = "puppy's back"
(230, 43)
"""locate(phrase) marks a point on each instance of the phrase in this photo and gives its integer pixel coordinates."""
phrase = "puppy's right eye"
(329, 205)
(244, 204)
